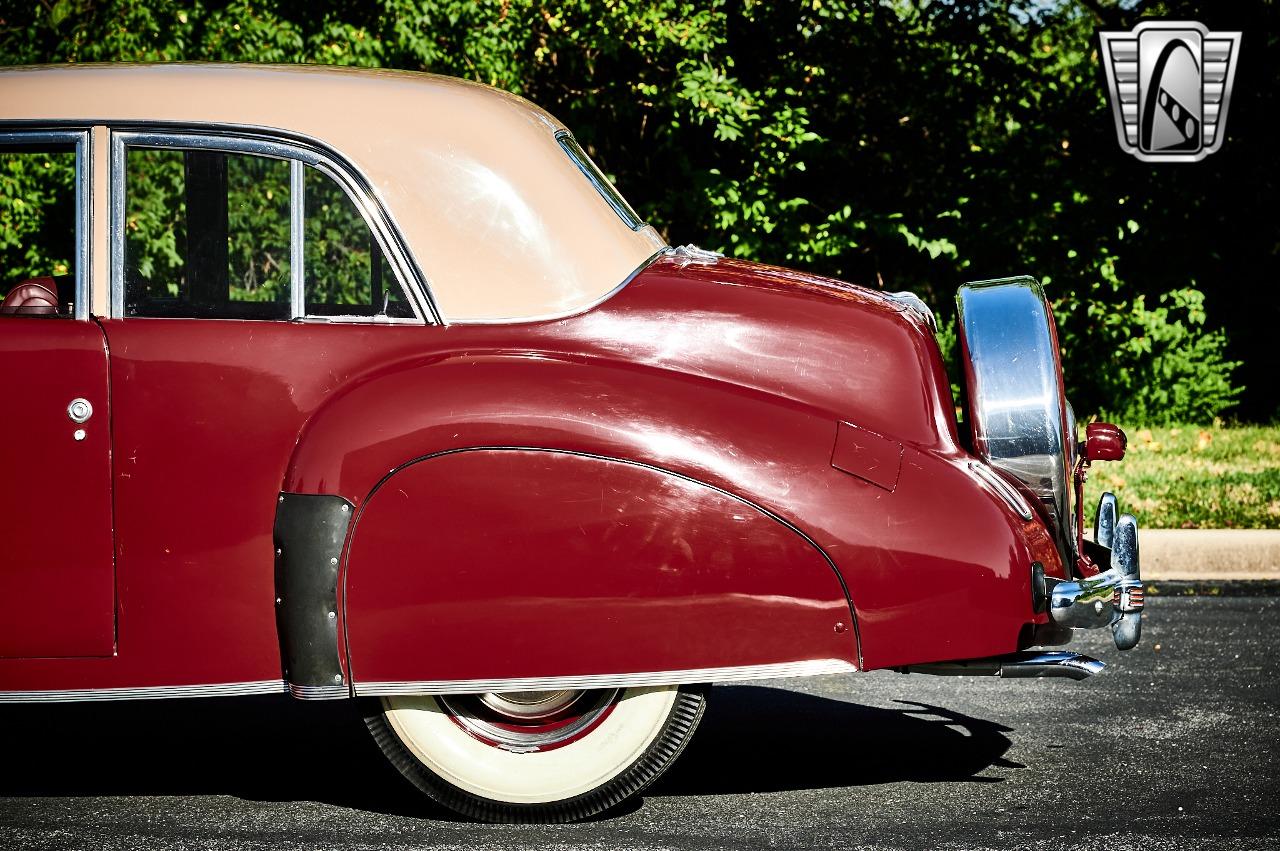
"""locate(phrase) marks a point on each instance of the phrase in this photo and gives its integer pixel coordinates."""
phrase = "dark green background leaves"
(909, 145)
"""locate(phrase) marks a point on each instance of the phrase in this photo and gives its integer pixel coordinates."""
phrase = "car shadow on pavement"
(761, 739)
(752, 739)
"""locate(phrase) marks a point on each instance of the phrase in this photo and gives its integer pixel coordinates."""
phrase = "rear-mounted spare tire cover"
(1016, 408)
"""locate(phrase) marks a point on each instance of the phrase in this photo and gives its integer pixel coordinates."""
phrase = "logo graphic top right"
(1170, 85)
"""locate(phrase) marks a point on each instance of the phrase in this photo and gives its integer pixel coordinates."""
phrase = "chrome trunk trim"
(915, 304)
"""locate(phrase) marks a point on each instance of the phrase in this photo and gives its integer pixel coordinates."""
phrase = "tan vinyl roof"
(499, 218)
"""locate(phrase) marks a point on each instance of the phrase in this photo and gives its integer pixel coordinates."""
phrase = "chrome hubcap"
(530, 705)
(525, 721)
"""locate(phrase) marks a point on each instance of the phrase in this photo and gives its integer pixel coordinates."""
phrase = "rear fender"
(508, 568)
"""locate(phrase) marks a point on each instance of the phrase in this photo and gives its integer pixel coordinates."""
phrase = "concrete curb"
(1217, 555)
(1209, 588)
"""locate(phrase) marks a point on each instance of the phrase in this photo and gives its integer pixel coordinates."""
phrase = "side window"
(38, 227)
(346, 273)
(215, 234)
(206, 235)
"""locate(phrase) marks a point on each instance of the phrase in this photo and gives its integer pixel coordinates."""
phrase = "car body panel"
(502, 564)
(209, 414)
(57, 586)
(676, 398)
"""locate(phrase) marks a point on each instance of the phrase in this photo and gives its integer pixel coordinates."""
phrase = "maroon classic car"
(370, 386)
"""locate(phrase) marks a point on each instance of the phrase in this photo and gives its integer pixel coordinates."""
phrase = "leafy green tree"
(909, 145)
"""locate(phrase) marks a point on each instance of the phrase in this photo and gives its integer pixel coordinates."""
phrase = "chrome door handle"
(79, 410)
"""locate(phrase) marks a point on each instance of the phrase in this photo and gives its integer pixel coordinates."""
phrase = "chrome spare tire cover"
(1016, 407)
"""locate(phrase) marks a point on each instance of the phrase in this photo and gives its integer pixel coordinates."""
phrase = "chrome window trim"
(259, 142)
(578, 155)
(117, 226)
(146, 692)
(297, 235)
(84, 184)
(777, 670)
(353, 319)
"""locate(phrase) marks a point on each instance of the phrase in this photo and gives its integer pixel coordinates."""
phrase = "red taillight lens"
(1103, 442)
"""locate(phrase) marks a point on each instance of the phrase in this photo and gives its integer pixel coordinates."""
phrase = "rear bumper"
(1113, 598)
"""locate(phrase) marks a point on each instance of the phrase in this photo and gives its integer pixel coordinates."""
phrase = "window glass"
(346, 273)
(206, 235)
(602, 184)
(38, 229)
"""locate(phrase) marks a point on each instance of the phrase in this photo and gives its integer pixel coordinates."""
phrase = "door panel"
(57, 583)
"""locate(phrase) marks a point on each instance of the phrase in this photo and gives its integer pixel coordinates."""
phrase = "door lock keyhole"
(79, 410)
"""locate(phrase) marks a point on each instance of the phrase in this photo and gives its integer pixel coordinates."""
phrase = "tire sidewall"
(616, 760)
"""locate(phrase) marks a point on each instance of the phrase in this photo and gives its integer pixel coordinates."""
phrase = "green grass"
(1188, 477)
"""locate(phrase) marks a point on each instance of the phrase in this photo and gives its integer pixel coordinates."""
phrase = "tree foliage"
(910, 145)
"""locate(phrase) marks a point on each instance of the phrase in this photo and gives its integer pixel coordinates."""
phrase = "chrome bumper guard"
(1114, 597)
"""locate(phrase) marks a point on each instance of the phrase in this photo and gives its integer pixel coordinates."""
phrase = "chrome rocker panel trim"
(594, 681)
(145, 692)
(1113, 598)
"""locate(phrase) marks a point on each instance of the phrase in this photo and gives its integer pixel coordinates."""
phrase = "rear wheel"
(537, 756)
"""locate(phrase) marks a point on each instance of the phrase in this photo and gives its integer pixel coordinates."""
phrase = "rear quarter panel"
(513, 563)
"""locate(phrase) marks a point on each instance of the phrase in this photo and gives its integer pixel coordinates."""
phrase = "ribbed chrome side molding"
(318, 692)
(146, 692)
(808, 668)
(588, 681)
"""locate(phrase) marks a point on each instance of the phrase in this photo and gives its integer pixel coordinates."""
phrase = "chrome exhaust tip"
(1056, 663)
(1025, 665)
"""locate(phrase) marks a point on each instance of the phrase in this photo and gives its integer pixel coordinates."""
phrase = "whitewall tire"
(547, 756)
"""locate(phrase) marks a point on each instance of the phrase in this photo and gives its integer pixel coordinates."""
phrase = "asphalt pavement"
(1175, 745)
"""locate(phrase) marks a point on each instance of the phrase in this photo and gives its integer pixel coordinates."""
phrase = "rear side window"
(38, 227)
(602, 184)
(346, 272)
(229, 235)
(206, 235)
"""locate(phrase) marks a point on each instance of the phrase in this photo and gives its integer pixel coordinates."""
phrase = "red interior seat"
(34, 296)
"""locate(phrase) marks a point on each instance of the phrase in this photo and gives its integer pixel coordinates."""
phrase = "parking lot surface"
(1175, 745)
